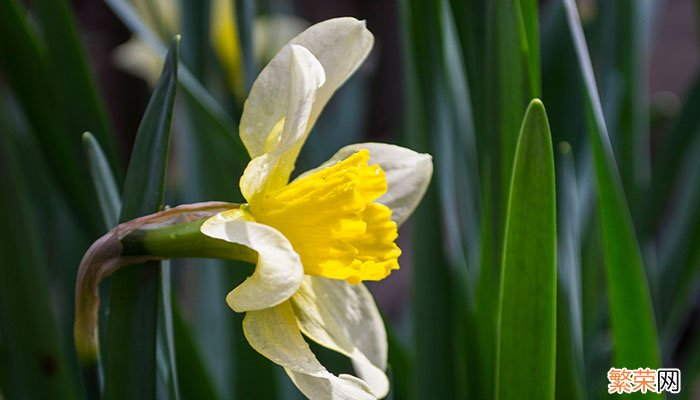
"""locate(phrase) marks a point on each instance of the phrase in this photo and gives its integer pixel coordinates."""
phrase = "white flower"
(319, 236)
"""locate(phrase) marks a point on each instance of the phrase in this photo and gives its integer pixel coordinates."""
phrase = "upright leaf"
(624, 41)
(38, 365)
(679, 261)
(634, 333)
(671, 153)
(515, 63)
(194, 383)
(130, 351)
(103, 179)
(25, 65)
(79, 99)
(527, 315)
(245, 16)
(166, 336)
(434, 372)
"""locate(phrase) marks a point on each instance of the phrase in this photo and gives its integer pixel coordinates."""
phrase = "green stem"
(172, 233)
(184, 240)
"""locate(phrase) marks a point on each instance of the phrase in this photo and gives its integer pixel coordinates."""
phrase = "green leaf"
(434, 372)
(679, 269)
(130, 349)
(570, 358)
(245, 16)
(166, 335)
(25, 65)
(38, 364)
(568, 365)
(530, 43)
(77, 92)
(194, 383)
(195, 35)
(514, 84)
(400, 366)
(671, 153)
(624, 53)
(634, 334)
(103, 179)
(527, 315)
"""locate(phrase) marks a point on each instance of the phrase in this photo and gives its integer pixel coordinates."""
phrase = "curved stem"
(172, 233)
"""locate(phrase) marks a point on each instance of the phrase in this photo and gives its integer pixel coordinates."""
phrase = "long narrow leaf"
(77, 91)
(103, 179)
(24, 64)
(527, 317)
(131, 336)
(634, 334)
(194, 383)
(434, 369)
(166, 342)
(38, 364)
(680, 252)
(245, 16)
(672, 151)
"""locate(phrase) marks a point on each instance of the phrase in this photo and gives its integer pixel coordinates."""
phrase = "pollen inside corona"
(332, 222)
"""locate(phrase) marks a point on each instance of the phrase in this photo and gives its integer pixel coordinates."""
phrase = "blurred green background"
(618, 78)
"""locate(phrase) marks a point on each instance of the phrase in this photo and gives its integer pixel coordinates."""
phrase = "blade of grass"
(39, 367)
(131, 335)
(79, 99)
(634, 335)
(528, 278)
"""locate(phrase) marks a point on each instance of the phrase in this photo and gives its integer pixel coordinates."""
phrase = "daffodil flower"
(315, 239)
(319, 236)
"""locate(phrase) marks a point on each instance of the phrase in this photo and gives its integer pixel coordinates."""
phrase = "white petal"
(279, 271)
(344, 387)
(339, 44)
(345, 318)
(272, 168)
(274, 333)
(407, 173)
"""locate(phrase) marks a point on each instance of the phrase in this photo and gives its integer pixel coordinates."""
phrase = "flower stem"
(171, 233)
(183, 240)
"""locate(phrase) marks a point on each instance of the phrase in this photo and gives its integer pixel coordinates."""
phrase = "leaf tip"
(536, 105)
